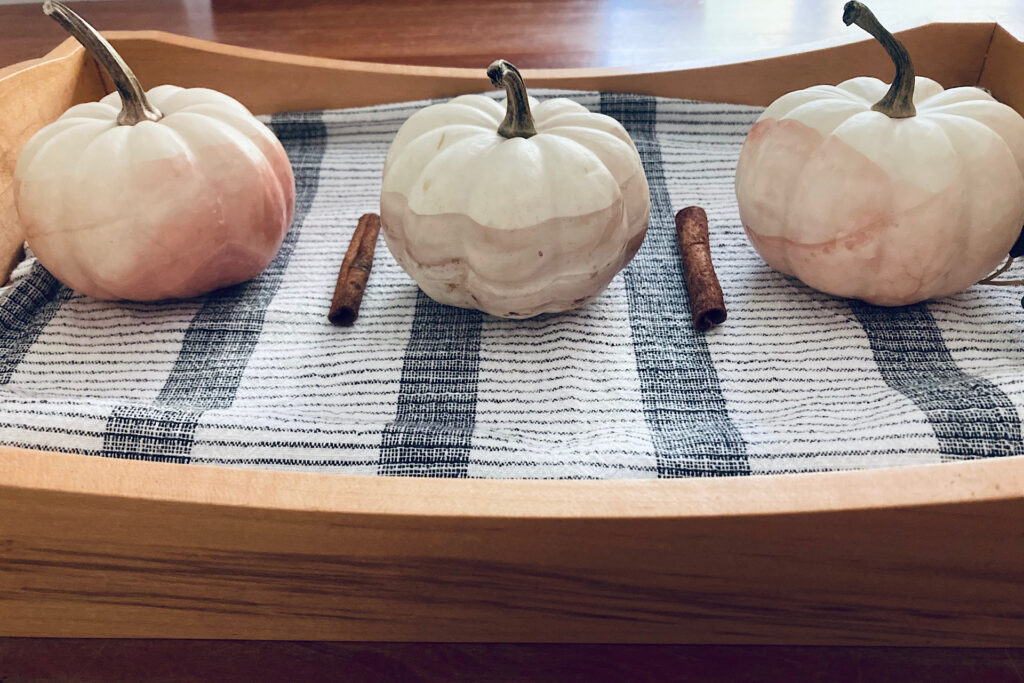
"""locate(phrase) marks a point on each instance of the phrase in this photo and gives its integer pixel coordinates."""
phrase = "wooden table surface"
(470, 33)
(104, 661)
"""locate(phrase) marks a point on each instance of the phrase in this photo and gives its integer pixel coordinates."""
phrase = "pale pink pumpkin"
(180, 192)
(916, 197)
(515, 209)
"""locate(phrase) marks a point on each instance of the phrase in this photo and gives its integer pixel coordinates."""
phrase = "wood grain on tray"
(134, 549)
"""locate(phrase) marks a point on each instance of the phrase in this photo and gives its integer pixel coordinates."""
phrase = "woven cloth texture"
(255, 376)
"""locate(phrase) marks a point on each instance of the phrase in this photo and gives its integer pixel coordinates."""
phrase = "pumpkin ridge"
(469, 101)
(482, 185)
(75, 113)
(182, 99)
(470, 272)
(394, 154)
(158, 95)
(543, 114)
(579, 146)
(478, 129)
(213, 112)
(115, 137)
(168, 97)
(468, 146)
(34, 150)
(862, 134)
(839, 92)
(552, 304)
(399, 157)
(229, 134)
(811, 115)
(950, 109)
(563, 144)
(463, 105)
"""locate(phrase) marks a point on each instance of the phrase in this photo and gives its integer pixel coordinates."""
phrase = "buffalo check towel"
(254, 376)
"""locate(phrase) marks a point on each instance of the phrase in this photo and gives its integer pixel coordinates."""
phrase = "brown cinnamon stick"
(354, 272)
(706, 300)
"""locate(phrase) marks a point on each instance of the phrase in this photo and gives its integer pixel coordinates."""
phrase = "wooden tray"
(113, 548)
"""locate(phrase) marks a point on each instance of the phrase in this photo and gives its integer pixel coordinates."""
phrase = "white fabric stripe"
(91, 337)
(561, 395)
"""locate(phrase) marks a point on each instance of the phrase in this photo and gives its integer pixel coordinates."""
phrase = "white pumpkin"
(890, 194)
(143, 196)
(516, 217)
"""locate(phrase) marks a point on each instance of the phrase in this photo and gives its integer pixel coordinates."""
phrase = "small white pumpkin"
(158, 195)
(531, 214)
(913, 197)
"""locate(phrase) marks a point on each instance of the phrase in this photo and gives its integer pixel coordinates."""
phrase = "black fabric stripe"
(432, 433)
(223, 333)
(683, 404)
(29, 307)
(971, 416)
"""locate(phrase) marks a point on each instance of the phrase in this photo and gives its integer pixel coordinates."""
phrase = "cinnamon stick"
(354, 272)
(706, 300)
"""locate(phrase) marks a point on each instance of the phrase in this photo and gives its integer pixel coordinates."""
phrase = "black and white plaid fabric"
(254, 375)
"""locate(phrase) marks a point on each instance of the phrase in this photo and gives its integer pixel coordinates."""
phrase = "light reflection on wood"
(533, 33)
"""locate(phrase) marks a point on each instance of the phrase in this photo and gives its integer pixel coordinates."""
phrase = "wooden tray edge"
(949, 484)
(91, 547)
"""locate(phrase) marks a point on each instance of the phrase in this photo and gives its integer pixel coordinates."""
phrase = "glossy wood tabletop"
(471, 33)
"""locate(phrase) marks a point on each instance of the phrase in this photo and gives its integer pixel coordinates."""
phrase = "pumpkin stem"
(134, 105)
(898, 103)
(518, 121)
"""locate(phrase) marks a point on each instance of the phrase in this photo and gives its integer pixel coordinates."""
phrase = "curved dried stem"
(898, 103)
(518, 121)
(135, 107)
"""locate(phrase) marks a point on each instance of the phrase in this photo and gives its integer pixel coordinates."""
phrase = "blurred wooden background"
(472, 33)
